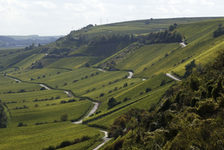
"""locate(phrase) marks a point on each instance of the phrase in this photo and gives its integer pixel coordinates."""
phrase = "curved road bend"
(92, 111)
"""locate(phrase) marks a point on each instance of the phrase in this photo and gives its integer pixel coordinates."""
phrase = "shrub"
(148, 90)
(50, 148)
(42, 88)
(63, 102)
(64, 117)
(194, 83)
(102, 94)
(21, 91)
(64, 144)
(112, 102)
(125, 85)
(71, 100)
(21, 124)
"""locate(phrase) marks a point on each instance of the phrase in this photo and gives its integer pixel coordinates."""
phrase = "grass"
(49, 112)
(145, 102)
(10, 86)
(150, 62)
(39, 137)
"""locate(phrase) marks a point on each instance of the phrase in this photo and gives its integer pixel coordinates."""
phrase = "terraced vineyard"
(48, 91)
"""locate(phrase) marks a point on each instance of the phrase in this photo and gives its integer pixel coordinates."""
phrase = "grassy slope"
(201, 45)
(39, 137)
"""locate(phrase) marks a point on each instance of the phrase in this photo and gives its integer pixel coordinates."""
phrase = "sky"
(59, 17)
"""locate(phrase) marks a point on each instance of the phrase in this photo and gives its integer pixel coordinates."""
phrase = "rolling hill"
(100, 72)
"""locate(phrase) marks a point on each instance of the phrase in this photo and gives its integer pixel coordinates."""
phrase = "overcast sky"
(59, 17)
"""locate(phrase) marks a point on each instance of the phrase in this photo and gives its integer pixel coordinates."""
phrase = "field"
(40, 117)
(43, 136)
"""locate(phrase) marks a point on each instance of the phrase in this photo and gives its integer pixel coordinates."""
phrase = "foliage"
(161, 37)
(190, 116)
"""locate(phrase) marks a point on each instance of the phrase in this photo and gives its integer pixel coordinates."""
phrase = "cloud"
(50, 17)
(46, 4)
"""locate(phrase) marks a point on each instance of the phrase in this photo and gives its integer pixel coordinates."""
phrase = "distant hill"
(12, 41)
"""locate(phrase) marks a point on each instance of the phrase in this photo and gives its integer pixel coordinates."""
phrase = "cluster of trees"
(105, 45)
(219, 31)
(3, 116)
(190, 116)
(161, 37)
(172, 27)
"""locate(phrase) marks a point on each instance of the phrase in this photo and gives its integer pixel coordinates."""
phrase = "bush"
(112, 102)
(21, 124)
(194, 83)
(64, 117)
(206, 108)
(148, 90)
(64, 144)
(63, 102)
(102, 94)
(21, 91)
(42, 88)
(125, 85)
(50, 148)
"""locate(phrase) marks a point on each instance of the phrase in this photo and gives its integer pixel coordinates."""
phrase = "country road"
(172, 77)
(92, 111)
(45, 86)
(105, 140)
(130, 75)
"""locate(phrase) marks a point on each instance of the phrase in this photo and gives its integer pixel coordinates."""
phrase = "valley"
(70, 93)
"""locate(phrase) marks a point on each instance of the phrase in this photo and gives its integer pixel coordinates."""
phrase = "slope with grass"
(74, 63)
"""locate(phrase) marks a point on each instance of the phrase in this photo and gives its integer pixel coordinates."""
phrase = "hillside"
(189, 116)
(73, 89)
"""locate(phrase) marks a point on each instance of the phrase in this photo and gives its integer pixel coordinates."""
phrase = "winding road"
(101, 70)
(172, 77)
(17, 80)
(45, 86)
(92, 111)
(105, 139)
